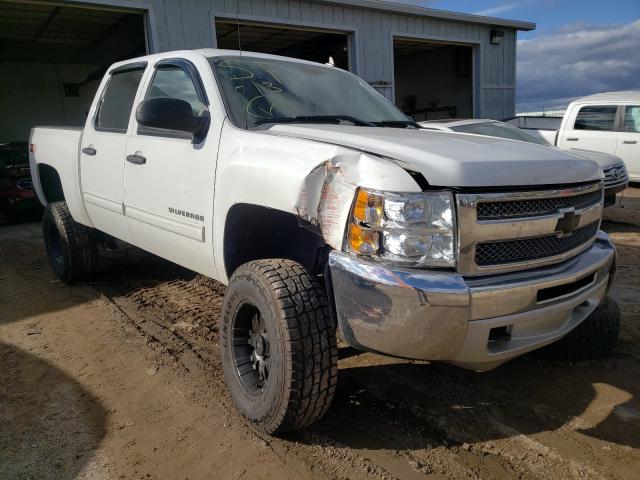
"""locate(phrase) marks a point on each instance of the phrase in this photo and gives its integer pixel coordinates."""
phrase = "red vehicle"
(16, 188)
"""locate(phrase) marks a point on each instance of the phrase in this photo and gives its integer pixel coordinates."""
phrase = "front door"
(104, 142)
(169, 180)
(629, 141)
(593, 127)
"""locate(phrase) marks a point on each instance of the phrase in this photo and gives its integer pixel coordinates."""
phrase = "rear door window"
(632, 119)
(596, 117)
(117, 100)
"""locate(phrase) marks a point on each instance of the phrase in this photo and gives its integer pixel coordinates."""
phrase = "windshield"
(498, 129)
(266, 90)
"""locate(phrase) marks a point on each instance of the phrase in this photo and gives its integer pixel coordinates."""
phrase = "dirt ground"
(121, 378)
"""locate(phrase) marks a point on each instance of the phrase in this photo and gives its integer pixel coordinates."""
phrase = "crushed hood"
(454, 159)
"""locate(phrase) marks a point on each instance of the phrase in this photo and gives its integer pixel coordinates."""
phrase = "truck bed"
(57, 147)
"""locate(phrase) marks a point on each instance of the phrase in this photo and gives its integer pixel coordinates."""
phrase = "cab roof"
(617, 97)
(208, 53)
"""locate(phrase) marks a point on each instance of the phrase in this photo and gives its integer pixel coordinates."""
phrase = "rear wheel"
(70, 246)
(278, 345)
(595, 337)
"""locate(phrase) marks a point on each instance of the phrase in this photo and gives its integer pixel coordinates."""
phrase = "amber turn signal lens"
(363, 241)
(368, 207)
(360, 209)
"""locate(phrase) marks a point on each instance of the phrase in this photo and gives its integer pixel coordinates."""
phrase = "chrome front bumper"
(477, 323)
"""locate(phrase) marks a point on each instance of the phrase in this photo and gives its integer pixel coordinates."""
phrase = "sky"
(578, 47)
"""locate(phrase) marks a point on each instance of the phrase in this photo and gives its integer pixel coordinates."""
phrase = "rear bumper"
(477, 323)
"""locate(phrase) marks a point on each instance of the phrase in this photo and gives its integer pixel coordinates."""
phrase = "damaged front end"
(327, 193)
(403, 294)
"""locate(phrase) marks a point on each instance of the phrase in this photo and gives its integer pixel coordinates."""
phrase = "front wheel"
(278, 345)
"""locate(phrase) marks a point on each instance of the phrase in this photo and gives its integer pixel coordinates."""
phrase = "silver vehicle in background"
(614, 168)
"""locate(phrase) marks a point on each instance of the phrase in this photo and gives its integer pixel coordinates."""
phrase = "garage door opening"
(313, 45)
(433, 80)
(52, 58)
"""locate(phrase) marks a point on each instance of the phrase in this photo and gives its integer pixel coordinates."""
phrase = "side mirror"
(172, 114)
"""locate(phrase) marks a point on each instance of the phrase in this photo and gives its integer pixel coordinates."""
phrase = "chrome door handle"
(136, 159)
(89, 150)
(572, 139)
(630, 142)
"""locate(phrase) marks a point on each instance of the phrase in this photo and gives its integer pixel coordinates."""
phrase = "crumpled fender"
(328, 191)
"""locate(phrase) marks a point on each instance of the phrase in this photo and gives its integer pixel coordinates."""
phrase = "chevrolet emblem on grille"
(567, 223)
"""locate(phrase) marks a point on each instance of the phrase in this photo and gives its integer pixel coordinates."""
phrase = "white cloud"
(500, 9)
(577, 60)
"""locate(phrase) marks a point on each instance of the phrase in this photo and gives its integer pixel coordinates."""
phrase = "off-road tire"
(595, 337)
(302, 345)
(71, 247)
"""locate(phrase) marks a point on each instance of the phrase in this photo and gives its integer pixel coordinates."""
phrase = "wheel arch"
(50, 184)
(254, 232)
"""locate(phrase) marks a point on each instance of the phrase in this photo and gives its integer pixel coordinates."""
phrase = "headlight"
(415, 229)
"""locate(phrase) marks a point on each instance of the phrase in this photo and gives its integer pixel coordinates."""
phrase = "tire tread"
(307, 323)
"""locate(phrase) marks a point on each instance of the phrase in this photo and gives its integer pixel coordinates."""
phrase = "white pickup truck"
(605, 122)
(322, 206)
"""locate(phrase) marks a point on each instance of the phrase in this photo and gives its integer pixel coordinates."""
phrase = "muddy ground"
(121, 378)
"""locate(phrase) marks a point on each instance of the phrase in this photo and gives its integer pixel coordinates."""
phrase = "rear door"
(629, 140)
(103, 145)
(169, 179)
(591, 127)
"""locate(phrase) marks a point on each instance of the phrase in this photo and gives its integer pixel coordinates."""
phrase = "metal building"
(431, 63)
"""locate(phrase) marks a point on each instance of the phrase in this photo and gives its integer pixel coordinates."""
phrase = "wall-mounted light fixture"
(496, 37)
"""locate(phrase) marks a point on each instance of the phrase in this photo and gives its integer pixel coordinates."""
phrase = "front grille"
(615, 176)
(499, 253)
(504, 232)
(535, 207)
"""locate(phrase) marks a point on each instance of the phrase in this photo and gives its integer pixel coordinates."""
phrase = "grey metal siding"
(190, 24)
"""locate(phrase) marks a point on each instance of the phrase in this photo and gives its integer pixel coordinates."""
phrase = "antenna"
(241, 62)
(238, 27)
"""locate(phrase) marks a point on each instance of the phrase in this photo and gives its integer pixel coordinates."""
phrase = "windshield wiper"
(397, 124)
(339, 119)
